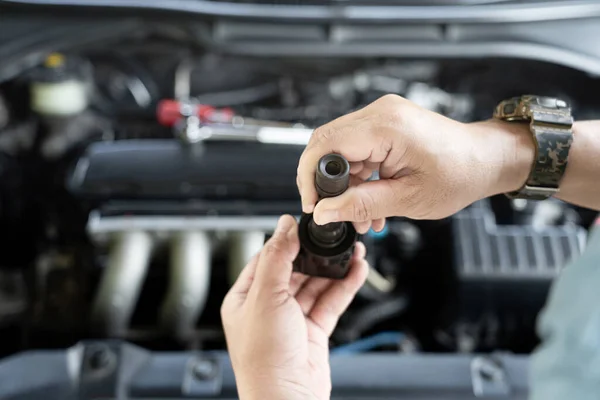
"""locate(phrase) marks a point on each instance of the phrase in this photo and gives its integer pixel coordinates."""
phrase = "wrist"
(506, 151)
(271, 387)
(274, 392)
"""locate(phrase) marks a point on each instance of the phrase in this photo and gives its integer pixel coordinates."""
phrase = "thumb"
(274, 268)
(365, 202)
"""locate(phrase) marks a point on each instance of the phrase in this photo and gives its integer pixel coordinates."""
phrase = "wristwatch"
(550, 123)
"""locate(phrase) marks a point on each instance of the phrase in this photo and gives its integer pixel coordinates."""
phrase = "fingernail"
(360, 251)
(284, 224)
(327, 216)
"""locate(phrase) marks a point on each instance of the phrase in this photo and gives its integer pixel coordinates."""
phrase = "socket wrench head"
(333, 175)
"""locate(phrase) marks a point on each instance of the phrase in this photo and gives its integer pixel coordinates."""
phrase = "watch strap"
(550, 122)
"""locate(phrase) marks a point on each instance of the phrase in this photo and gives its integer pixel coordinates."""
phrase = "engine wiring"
(381, 339)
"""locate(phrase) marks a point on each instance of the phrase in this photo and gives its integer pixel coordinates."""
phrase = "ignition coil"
(326, 250)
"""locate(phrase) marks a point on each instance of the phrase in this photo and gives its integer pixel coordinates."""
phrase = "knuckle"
(396, 117)
(393, 116)
(326, 134)
(390, 99)
(391, 106)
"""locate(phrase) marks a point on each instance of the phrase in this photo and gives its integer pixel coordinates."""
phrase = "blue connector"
(378, 235)
(370, 343)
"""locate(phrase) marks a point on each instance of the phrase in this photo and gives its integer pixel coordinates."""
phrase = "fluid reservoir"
(58, 87)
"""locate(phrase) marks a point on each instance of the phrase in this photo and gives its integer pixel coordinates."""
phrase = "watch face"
(509, 109)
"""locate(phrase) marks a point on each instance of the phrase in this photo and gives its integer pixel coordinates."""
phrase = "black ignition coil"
(326, 250)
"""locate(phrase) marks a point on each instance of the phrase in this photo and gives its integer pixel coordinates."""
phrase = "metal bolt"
(490, 371)
(519, 204)
(99, 358)
(186, 109)
(237, 122)
(488, 377)
(204, 369)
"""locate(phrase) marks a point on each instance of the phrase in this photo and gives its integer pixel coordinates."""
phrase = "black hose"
(358, 323)
(239, 96)
(30, 49)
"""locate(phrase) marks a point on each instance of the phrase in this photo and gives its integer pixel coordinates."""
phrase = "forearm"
(510, 147)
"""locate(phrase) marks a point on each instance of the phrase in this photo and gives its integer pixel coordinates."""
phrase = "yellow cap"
(54, 60)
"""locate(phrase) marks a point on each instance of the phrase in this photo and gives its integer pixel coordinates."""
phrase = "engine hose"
(371, 315)
(377, 287)
(240, 96)
(379, 282)
(189, 283)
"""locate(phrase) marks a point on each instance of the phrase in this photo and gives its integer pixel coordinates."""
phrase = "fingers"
(337, 297)
(360, 170)
(274, 267)
(308, 295)
(360, 251)
(297, 281)
(356, 167)
(379, 224)
(362, 227)
(369, 168)
(351, 136)
(369, 201)
(356, 180)
(365, 174)
(310, 292)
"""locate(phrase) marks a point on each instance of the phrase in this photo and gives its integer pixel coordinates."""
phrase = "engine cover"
(168, 169)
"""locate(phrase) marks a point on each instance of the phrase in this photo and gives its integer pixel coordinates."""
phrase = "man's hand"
(429, 166)
(278, 323)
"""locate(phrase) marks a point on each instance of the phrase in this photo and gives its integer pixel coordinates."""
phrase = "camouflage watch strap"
(551, 123)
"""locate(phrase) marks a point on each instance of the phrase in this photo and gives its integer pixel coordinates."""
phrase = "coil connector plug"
(326, 250)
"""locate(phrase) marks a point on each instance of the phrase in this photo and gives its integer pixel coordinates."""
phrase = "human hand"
(429, 166)
(278, 322)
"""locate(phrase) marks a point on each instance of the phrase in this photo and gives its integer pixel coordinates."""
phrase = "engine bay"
(139, 174)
